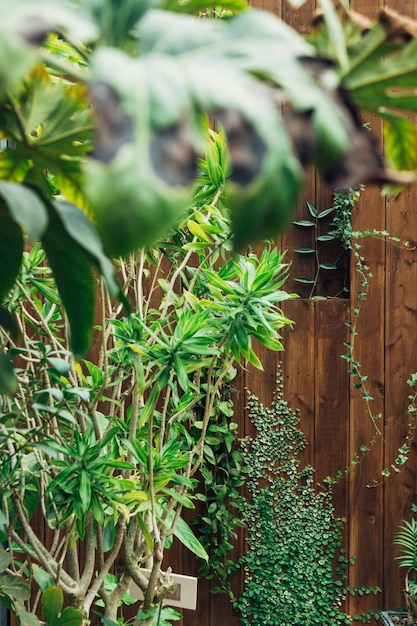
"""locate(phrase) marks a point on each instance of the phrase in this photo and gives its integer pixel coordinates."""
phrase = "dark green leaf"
(8, 380)
(11, 250)
(305, 250)
(304, 280)
(328, 266)
(53, 600)
(83, 231)
(26, 208)
(72, 270)
(307, 223)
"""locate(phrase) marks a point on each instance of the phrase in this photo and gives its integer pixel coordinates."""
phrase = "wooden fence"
(333, 414)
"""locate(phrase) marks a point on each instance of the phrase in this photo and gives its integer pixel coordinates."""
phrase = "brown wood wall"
(334, 417)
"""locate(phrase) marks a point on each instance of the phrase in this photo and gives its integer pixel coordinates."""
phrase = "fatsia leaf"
(31, 22)
(50, 126)
(144, 189)
(115, 19)
(400, 137)
(376, 79)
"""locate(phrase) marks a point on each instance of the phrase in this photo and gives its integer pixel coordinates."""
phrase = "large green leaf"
(207, 66)
(50, 127)
(25, 208)
(83, 231)
(72, 268)
(11, 250)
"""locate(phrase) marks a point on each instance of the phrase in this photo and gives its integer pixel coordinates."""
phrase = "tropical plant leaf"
(400, 137)
(50, 126)
(376, 79)
(11, 250)
(83, 231)
(25, 208)
(72, 270)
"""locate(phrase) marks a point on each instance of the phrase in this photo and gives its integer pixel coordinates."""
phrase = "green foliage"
(294, 540)
(108, 450)
(15, 591)
(223, 474)
(104, 108)
(339, 229)
(160, 615)
(406, 539)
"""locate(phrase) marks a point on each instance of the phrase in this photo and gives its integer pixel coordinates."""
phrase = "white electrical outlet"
(184, 595)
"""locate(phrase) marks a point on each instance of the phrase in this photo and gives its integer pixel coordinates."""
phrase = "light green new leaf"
(193, 7)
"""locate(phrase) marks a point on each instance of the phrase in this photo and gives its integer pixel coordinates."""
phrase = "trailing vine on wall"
(341, 229)
(293, 535)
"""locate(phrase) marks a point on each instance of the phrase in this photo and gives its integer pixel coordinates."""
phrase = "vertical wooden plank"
(366, 524)
(366, 505)
(331, 396)
(401, 325)
(298, 368)
(274, 6)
